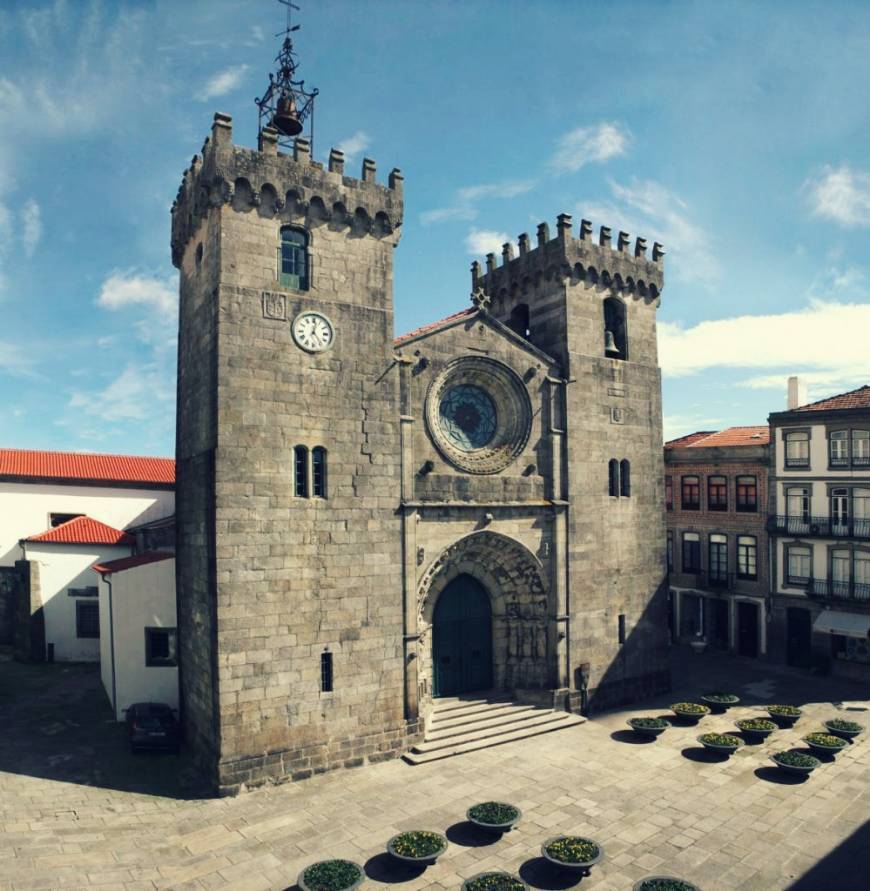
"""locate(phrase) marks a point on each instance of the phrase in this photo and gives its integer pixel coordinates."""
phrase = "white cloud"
(680, 425)
(355, 144)
(587, 145)
(648, 209)
(445, 214)
(223, 82)
(31, 226)
(841, 194)
(129, 288)
(138, 393)
(465, 207)
(15, 359)
(485, 241)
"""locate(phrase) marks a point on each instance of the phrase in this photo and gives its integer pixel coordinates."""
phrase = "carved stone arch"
(340, 217)
(268, 201)
(579, 272)
(317, 212)
(641, 287)
(242, 195)
(294, 203)
(382, 225)
(618, 283)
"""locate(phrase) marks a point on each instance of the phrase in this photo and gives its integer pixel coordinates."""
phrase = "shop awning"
(848, 624)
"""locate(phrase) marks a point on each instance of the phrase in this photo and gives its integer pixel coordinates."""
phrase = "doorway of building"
(798, 637)
(747, 628)
(718, 623)
(462, 639)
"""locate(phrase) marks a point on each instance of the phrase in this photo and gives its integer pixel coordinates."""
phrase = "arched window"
(615, 334)
(293, 265)
(613, 477)
(318, 472)
(300, 456)
(624, 478)
(519, 320)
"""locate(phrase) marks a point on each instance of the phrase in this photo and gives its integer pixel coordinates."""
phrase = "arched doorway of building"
(462, 639)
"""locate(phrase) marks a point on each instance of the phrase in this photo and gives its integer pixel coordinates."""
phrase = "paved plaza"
(77, 811)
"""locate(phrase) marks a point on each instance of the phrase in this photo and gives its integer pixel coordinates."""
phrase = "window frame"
(613, 478)
(669, 492)
(286, 279)
(717, 505)
(797, 464)
(746, 508)
(327, 672)
(695, 505)
(720, 540)
(742, 544)
(625, 478)
(319, 478)
(83, 606)
(696, 541)
(301, 463)
(788, 579)
(171, 661)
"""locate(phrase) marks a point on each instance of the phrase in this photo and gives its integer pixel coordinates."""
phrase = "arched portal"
(462, 639)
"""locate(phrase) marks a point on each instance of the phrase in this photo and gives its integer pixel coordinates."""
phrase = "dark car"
(152, 725)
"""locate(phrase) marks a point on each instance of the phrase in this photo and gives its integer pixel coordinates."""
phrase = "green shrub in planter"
(756, 726)
(572, 851)
(785, 714)
(846, 729)
(720, 742)
(493, 815)
(418, 845)
(721, 700)
(494, 881)
(331, 875)
(664, 883)
(648, 726)
(795, 762)
(824, 742)
(690, 711)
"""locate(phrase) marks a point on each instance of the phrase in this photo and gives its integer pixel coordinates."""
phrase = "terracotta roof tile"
(433, 325)
(859, 398)
(27, 464)
(731, 436)
(131, 562)
(688, 439)
(84, 530)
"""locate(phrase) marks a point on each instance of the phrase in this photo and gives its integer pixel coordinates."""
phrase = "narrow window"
(799, 565)
(717, 493)
(861, 513)
(861, 447)
(861, 576)
(840, 511)
(318, 472)
(797, 449)
(670, 551)
(669, 493)
(519, 320)
(690, 498)
(301, 471)
(326, 672)
(87, 619)
(89, 591)
(797, 502)
(718, 565)
(615, 337)
(624, 477)
(621, 626)
(747, 557)
(613, 477)
(747, 494)
(160, 647)
(839, 445)
(840, 565)
(691, 552)
(293, 258)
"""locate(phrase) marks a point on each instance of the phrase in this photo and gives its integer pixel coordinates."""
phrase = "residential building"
(717, 551)
(820, 523)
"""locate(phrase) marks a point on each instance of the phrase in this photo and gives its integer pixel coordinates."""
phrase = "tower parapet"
(282, 185)
(620, 266)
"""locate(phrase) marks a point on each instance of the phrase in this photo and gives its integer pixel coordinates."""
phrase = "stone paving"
(77, 811)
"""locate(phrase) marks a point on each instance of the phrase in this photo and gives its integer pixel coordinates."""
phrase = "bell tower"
(289, 546)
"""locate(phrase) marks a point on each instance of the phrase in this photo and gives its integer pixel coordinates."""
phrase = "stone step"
(557, 721)
(494, 715)
(467, 707)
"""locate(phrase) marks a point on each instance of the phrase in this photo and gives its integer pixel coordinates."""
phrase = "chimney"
(797, 392)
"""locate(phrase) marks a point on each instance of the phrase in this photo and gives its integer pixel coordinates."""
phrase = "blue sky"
(734, 133)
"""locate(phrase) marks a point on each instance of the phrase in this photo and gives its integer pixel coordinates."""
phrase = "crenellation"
(604, 236)
(622, 242)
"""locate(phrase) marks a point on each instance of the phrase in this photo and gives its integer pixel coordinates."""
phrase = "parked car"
(152, 725)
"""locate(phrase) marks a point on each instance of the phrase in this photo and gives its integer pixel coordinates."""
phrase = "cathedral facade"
(365, 523)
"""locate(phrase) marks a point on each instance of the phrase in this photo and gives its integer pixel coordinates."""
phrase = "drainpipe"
(108, 580)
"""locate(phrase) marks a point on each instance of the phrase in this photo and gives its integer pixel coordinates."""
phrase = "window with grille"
(691, 552)
(160, 647)
(87, 619)
(318, 472)
(747, 494)
(718, 558)
(799, 564)
(326, 672)
(747, 557)
(300, 471)
(717, 493)
(797, 449)
(690, 497)
(669, 493)
(293, 258)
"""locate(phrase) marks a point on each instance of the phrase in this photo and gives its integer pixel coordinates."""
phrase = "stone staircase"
(477, 721)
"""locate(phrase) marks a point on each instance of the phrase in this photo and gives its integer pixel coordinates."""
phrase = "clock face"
(313, 332)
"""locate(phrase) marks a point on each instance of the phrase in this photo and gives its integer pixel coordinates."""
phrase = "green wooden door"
(462, 639)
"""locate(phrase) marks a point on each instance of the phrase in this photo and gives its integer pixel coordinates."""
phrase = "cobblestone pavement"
(76, 810)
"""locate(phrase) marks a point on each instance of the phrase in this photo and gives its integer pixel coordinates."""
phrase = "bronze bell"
(286, 118)
(610, 347)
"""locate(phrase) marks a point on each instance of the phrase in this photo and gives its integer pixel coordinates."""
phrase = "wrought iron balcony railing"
(829, 589)
(823, 527)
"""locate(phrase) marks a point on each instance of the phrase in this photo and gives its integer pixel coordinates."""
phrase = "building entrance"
(747, 628)
(462, 639)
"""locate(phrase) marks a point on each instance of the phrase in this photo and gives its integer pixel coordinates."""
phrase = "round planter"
(304, 886)
(495, 827)
(820, 748)
(417, 861)
(582, 865)
(646, 883)
(784, 720)
(846, 734)
(754, 734)
(698, 645)
(795, 769)
(690, 717)
(719, 750)
(719, 705)
(519, 883)
(651, 732)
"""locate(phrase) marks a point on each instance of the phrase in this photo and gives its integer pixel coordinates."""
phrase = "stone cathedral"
(369, 523)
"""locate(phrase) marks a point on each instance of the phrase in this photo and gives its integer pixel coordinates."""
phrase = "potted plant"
(720, 701)
(664, 883)
(846, 729)
(825, 743)
(784, 715)
(572, 852)
(758, 728)
(795, 762)
(419, 846)
(721, 743)
(650, 727)
(691, 712)
(331, 875)
(494, 881)
(495, 816)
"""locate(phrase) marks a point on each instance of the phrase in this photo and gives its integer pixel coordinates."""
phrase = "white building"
(138, 652)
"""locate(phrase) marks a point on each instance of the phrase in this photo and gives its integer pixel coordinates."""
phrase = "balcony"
(828, 589)
(819, 527)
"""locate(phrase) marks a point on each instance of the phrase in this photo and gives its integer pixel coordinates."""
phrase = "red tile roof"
(731, 436)
(27, 464)
(433, 325)
(859, 398)
(84, 530)
(131, 562)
